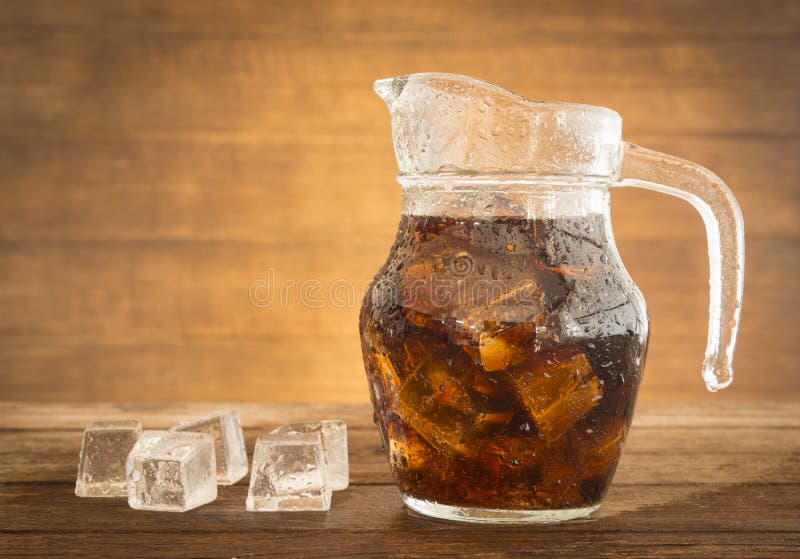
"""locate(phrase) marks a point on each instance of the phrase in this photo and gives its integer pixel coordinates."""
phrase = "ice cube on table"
(101, 470)
(557, 392)
(289, 474)
(172, 471)
(226, 428)
(334, 446)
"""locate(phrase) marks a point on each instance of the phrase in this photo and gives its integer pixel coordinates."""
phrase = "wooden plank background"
(158, 157)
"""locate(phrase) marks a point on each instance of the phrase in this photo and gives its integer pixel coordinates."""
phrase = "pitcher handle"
(644, 168)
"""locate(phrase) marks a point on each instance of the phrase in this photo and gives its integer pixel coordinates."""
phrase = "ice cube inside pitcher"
(506, 347)
(557, 391)
(435, 401)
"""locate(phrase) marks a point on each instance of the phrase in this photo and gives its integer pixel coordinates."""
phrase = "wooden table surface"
(721, 480)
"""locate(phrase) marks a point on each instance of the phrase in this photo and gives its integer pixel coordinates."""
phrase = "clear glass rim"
(502, 180)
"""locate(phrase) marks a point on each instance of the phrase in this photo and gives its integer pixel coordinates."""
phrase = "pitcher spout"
(389, 89)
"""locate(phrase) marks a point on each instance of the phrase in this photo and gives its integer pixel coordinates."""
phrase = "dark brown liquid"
(503, 357)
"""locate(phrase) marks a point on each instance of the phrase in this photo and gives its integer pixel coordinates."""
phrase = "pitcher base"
(495, 516)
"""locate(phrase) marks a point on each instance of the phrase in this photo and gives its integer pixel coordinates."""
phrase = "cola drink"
(503, 356)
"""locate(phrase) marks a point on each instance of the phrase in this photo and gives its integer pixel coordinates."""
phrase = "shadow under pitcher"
(503, 338)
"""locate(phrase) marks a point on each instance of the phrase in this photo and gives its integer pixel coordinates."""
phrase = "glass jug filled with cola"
(503, 339)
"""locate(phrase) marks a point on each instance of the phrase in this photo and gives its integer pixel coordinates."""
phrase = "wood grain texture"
(717, 480)
(158, 157)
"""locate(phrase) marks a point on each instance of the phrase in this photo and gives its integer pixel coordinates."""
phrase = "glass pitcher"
(503, 338)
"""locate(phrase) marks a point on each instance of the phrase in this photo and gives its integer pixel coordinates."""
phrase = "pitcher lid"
(452, 124)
